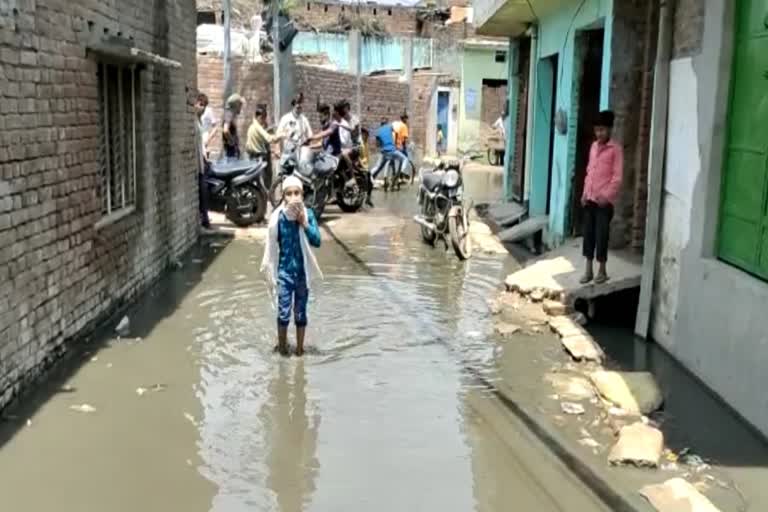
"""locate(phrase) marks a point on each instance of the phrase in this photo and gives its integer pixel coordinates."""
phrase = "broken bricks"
(637, 393)
(675, 495)
(639, 444)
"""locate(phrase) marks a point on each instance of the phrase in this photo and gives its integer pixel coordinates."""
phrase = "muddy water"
(382, 414)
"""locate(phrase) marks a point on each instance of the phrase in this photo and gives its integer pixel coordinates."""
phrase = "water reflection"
(291, 437)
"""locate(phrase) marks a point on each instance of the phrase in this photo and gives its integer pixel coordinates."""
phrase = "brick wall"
(394, 19)
(382, 96)
(633, 49)
(59, 274)
(688, 28)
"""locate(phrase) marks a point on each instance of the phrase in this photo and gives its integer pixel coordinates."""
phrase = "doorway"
(589, 44)
(443, 116)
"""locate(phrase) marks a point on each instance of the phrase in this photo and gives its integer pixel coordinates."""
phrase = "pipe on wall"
(533, 61)
(656, 161)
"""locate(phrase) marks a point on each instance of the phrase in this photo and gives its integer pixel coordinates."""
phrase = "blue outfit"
(291, 278)
(386, 138)
(389, 152)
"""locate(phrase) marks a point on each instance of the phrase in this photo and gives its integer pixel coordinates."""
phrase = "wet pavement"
(390, 410)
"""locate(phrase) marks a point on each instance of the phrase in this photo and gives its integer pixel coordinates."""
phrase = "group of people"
(341, 135)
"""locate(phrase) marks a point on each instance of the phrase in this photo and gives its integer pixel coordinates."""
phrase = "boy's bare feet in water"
(282, 340)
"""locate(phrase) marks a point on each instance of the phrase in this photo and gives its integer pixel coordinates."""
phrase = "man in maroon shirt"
(601, 189)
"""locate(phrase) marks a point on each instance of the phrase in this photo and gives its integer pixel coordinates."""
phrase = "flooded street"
(385, 413)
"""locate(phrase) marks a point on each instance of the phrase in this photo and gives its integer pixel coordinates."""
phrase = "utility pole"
(409, 72)
(227, 6)
(276, 83)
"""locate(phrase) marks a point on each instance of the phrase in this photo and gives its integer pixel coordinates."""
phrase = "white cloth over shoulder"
(271, 258)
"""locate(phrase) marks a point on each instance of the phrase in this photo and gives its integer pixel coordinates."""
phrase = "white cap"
(292, 182)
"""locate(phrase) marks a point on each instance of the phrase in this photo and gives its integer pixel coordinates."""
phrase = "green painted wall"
(476, 65)
(557, 33)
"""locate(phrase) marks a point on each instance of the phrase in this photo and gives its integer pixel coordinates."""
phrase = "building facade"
(98, 177)
(710, 295)
(585, 56)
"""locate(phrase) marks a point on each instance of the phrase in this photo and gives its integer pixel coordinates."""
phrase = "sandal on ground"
(601, 278)
(586, 278)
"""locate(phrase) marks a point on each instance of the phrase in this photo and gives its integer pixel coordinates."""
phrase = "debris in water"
(669, 466)
(197, 260)
(85, 408)
(29, 423)
(177, 264)
(572, 408)
(141, 391)
(109, 365)
(123, 327)
(190, 418)
(94, 359)
(589, 443)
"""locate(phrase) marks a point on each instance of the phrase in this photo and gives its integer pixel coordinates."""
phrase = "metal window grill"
(117, 137)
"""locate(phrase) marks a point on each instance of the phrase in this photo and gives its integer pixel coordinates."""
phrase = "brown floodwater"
(194, 412)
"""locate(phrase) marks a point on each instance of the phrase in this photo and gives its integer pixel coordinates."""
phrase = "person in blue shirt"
(289, 262)
(385, 138)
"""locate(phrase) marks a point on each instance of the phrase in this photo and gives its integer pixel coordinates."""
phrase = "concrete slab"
(558, 272)
(525, 229)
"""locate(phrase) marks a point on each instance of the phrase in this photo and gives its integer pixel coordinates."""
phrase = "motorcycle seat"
(225, 170)
(432, 181)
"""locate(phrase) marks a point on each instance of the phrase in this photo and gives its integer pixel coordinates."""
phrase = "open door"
(591, 42)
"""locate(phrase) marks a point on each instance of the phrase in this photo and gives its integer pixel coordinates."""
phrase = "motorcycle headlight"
(451, 179)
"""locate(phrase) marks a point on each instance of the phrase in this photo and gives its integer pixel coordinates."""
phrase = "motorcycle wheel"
(460, 239)
(351, 201)
(276, 192)
(246, 205)
(428, 235)
(318, 204)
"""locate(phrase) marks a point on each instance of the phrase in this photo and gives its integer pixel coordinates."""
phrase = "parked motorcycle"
(443, 212)
(236, 188)
(326, 180)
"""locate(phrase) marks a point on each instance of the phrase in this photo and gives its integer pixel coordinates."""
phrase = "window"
(500, 57)
(206, 17)
(118, 89)
(743, 235)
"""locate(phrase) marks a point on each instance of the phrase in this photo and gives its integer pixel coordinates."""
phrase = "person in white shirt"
(294, 125)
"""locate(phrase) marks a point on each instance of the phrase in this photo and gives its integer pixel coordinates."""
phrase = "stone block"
(582, 347)
(639, 445)
(634, 392)
(554, 308)
(677, 495)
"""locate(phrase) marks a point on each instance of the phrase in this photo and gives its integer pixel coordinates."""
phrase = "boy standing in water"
(601, 189)
(289, 262)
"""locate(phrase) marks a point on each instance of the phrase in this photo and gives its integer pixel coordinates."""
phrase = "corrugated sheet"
(377, 54)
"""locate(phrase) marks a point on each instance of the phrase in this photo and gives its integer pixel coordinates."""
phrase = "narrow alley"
(194, 412)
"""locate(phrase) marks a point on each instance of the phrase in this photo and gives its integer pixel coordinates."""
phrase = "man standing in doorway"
(601, 189)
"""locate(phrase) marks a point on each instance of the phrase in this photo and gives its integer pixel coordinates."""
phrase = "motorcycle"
(443, 214)
(236, 188)
(326, 180)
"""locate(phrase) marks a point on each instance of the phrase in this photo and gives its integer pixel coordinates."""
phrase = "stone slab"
(677, 495)
(559, 272)
(639, 444)
(582, 348)
(635, 392)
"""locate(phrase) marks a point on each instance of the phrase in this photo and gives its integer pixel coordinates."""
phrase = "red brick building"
(98, 184)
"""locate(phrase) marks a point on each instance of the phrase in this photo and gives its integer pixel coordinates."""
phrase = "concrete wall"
(708, 314)
(476, 65)
(59, 272)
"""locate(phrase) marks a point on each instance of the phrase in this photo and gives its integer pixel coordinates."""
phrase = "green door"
(743, 239)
